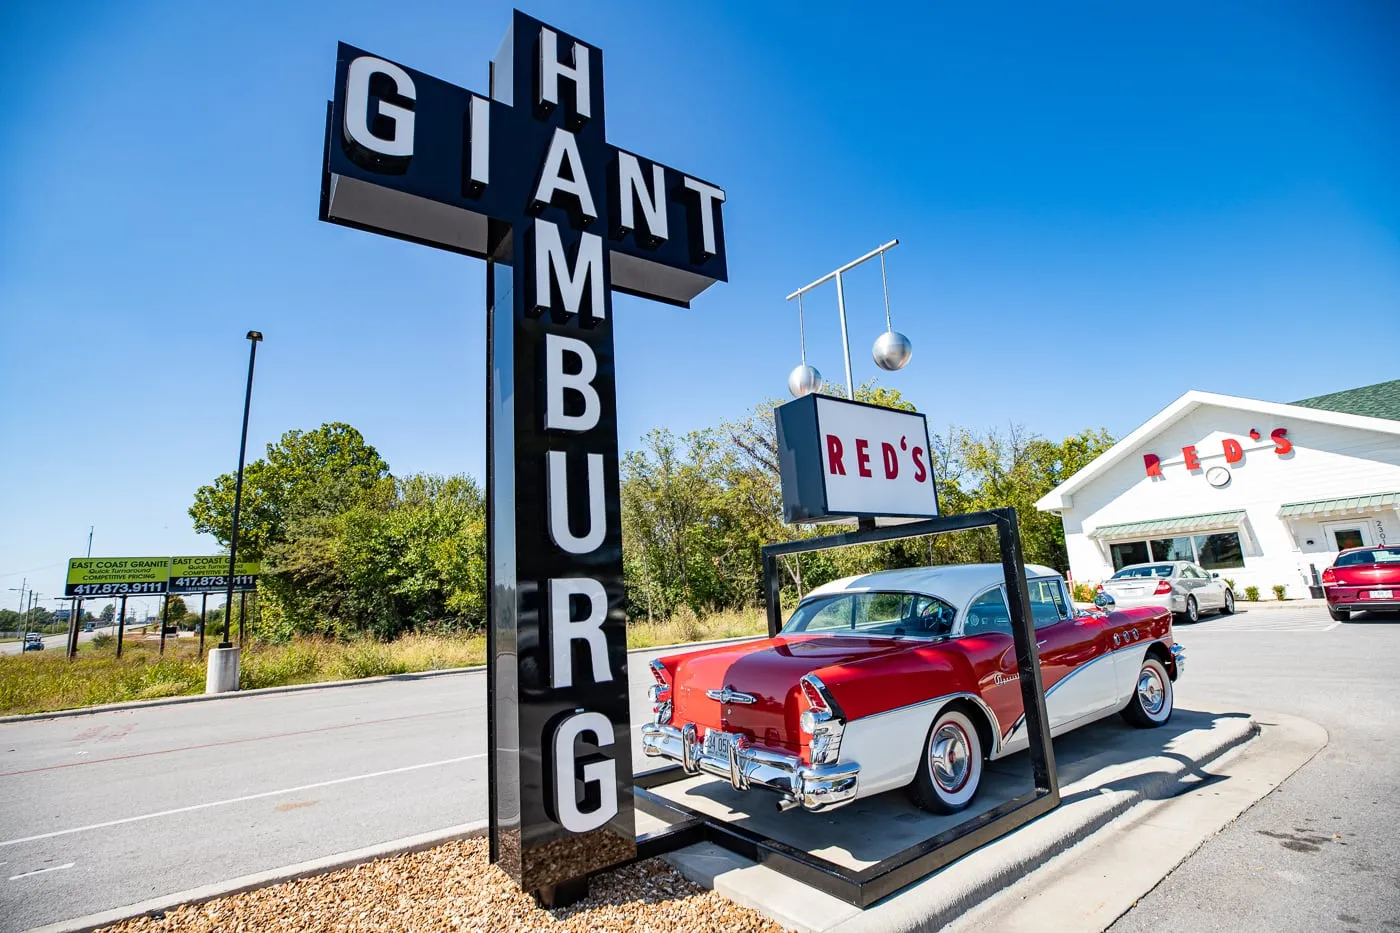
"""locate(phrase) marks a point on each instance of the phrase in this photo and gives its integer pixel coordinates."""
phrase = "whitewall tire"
(950, 770)
(1153, 698)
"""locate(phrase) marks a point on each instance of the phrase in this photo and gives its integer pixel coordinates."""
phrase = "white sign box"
(841, 459)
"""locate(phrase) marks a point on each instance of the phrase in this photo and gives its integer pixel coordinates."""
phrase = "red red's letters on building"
(1154, 464)
(1234, 453)
(1232, 449)
(1282, 444)
(1193, 462)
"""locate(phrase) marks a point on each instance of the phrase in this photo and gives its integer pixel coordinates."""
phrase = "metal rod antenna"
(846, 268)
(884, 282)
(801, 330)
(845, 337)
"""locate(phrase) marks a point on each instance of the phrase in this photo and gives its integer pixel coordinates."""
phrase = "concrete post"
(222, 675)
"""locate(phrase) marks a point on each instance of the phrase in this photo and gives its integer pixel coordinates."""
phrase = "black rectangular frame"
(864, 887)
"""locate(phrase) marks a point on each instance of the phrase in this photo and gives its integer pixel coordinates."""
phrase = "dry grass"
(44, 681)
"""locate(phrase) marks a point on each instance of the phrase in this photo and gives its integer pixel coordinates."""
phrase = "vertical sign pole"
(242, 610)
(203, 619)
(73, 628)
(164, 621)
(121, 626)
(845, 337)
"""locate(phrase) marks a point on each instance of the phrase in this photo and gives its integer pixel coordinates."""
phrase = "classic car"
(1178, 585)
(904, 678)
(1362, 578)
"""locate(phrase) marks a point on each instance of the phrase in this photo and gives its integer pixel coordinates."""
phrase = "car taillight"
(1099, 588)
(819, 723)
(1329, 575)
(660, 692)
(813, 695)
(1163, 588)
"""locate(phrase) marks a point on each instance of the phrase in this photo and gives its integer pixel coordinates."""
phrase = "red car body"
(1362, 578)
(826, 717)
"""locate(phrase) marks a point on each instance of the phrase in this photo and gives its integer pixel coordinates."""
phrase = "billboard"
(209, 574)
(117, 576)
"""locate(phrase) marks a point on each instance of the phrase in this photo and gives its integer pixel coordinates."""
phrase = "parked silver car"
(1178, 585)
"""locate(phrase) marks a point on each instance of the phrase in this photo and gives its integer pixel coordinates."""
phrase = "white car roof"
(955, 583)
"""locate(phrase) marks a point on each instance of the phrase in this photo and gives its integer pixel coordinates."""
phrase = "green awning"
(1380, 500)
(1158, 527)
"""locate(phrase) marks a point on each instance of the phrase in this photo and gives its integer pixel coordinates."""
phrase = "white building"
(1261, 492)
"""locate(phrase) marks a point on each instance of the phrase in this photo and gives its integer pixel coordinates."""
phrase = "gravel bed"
(453, 887)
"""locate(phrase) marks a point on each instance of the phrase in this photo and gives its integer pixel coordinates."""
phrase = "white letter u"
(559, 504)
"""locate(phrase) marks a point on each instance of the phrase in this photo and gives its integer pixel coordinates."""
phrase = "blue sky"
(1123, 203)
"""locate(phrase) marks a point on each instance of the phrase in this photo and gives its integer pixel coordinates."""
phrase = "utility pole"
(90, 528)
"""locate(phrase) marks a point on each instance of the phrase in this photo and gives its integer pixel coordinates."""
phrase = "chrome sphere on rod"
(892, 350)
(804, 380)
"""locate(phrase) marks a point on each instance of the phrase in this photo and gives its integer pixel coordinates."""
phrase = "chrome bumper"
(813, 787)
(1178, 659)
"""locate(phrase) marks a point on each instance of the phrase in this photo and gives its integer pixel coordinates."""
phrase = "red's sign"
(1231, 448)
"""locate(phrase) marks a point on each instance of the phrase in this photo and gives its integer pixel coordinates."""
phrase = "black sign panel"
(526, 178)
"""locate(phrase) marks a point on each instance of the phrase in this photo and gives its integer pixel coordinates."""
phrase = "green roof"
(1160, 526)
(1380, 500)
(1381, 400)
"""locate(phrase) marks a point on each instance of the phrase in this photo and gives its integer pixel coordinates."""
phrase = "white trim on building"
(1208, 479)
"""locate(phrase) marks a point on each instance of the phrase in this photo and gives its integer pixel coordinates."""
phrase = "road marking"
(40, 871)
(1332, 626)
(255, 738)
(245, 799)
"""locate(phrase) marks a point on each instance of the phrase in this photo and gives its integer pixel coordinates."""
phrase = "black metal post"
(253, 338)
(203, 619)
(242, 611)
(73, 628)
(121, 627)
(164, 621)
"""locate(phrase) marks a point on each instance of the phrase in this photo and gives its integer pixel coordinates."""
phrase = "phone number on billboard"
(198, 583)
(115, 589)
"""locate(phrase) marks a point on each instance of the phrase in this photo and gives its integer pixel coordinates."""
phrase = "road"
(104, 810)
(56, 641)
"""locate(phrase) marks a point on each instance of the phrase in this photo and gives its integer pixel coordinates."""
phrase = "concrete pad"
(1105, 770)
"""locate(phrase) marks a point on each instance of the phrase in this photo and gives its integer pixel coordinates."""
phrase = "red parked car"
(905, 678)
(1362, 578)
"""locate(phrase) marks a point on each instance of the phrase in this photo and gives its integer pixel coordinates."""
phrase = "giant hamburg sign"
(525, 178)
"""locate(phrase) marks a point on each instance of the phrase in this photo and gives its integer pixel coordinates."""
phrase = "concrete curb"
(952, 892)
(323, 685)
(265, 879)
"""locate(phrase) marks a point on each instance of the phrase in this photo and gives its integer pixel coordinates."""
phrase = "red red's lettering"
(1193, 462)
(1282, 444)
(1234, 453)
(833, 454)
(919, 472)
(891, 460)
(1154, 464)
(863, 457)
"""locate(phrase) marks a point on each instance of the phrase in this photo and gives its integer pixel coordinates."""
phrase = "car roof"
(956, 583)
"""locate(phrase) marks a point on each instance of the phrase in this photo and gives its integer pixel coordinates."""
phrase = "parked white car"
(1178, 585)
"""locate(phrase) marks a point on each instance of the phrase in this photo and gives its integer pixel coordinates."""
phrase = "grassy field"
(47, 680)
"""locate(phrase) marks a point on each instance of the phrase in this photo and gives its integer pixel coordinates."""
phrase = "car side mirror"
(1103, 599)
(1215, 576)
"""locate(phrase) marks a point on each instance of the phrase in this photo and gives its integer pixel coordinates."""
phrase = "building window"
(1219, 551)
(1129, 552)
(1172, 549)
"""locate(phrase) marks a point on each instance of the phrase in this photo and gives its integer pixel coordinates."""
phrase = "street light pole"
(254, 337)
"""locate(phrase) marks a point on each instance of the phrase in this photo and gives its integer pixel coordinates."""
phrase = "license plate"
(717, 744)
(1382, 594)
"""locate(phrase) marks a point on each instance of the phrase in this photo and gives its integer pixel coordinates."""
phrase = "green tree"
(109, 612)
(175, 609)
(306, 476)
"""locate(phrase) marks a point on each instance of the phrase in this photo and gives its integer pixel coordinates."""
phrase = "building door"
(1343, 535)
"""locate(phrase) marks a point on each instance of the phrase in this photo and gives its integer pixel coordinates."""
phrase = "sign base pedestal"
(564, 894)
(222, 675)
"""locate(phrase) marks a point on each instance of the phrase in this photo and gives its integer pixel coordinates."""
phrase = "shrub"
(1251, 593)
(1279, 592)
(1084, 592)
(368, 659)
(103, 641)
(1230, 583)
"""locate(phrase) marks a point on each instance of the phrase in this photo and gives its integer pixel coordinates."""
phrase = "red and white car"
(1361, 579)
(906, 678)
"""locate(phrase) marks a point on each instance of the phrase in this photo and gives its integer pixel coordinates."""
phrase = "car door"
(1209, 594)
(1071, 647)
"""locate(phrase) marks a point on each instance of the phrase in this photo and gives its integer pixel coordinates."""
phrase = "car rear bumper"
(1361, 605)
(813, 787)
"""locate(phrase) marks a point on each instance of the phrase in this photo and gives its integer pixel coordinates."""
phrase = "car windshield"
(873, 614)
(1146, 570)
(1375, 555)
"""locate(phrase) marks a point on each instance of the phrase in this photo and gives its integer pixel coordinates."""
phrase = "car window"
(1380, 555)
(1146, 570)
(987, 613)
(911, 614)
(1047, 602)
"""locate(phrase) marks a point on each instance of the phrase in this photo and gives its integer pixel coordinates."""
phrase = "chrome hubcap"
(1191, 610)
(1151, 693)
(948, 757)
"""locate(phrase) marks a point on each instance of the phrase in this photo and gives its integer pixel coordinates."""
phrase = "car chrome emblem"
(731, 696)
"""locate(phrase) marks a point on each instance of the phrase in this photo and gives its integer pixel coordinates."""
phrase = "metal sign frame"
(865, 886)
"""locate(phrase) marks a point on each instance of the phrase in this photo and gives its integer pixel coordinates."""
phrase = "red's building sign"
(1231, 448)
